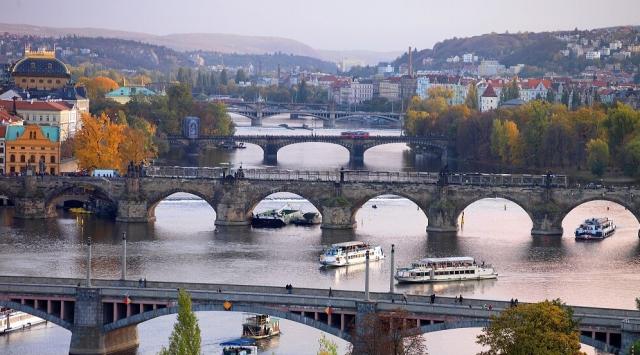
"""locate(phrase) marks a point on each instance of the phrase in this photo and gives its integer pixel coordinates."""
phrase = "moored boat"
(11, 320)
(276, 218)
(260, 326)
(445, 269)
(350, 253)
(595, 229)
(242, 346)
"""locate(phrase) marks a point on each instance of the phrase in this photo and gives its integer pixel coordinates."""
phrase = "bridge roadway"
(257, 111)
(436, 145)
(103, 318)
(338, 195)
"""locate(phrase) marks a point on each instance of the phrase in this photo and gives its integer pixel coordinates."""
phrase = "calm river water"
(183, 244)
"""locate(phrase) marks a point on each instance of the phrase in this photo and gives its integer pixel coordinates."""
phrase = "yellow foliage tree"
(97, 87)
(97, 143)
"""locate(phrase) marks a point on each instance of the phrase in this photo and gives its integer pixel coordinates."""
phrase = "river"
(183, 244)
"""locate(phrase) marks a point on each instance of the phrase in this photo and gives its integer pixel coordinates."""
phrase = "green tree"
(620, 123)
(597, 156)
(240, 76)
(472, 97)
(224, 78)
(303, 92)
(631, 157)
(545, 328)
(327, 347)
(185, 338)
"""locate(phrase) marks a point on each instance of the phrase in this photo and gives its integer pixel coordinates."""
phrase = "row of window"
(443, 273)
(32, 159)
(12, 170)
(41, 81)
(33, 148)
(41, 118)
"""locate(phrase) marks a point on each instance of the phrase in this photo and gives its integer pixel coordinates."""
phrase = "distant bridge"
(270, 144)
(256, 111)
(103, 318)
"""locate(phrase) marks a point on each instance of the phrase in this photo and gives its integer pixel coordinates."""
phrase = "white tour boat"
(350, 253)
(445, 269)
(595, 228)
(11, 320)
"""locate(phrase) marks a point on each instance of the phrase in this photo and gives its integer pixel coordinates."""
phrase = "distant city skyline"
(330, 24)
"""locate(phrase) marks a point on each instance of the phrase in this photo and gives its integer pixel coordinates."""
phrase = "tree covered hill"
(113, 53)
(541, 50)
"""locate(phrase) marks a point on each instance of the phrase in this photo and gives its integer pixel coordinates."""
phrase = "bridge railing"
(359, 176)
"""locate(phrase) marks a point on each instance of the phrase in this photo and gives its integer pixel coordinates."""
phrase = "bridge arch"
(257, 309)
(468, 202)
(153, 202)
(282, 189)
(359, 203)
(84, 193)
(603, 197)
(36, 312)
(271, 151)
(482, 323)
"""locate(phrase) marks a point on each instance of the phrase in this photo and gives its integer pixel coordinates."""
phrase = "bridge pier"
(331, 122)
(364, 323)
(231, 214)
(134, 211)
(30, 208)
(356, 153)
(630, 334)
(87, 334)
(270, 153)
(257, 120)
(543, 224)
(337, 217)
(442, 216)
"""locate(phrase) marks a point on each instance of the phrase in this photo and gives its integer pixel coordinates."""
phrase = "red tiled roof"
(34, 105)
(8, 118)
(3, 131)
(533, 83)
(489, 92)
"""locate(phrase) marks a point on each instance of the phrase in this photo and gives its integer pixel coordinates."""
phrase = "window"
(32, 159)
(24, 80)
(57, 81)
(33, 65)
(1, 150)
(22, 159)
(41, 81)
(53, 159)
(53, 171)
(12, 169)
(32, 80)
(12, 158)
(50, 66)
(49, 81)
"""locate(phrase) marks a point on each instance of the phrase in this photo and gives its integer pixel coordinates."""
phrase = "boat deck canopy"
(455, 259)
(348, 244)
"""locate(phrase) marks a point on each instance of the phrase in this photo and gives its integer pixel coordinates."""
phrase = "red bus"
(355, 134)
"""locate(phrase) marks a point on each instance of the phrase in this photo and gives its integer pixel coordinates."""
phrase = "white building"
(467, 58)
(361, 92)
(533, 89)
(390, 89)
(616, 45)
(490, 68)
(48, 113)
(489, 100)
(459, 91)
(593, 55)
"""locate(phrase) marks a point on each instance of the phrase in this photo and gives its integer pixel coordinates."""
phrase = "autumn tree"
(545, 328)
(472, 97)
(185, 338)
(96, 144)
(387, 334)
(97, 87)
(327, 347)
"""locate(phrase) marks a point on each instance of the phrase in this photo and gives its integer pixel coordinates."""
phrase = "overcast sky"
(328, 24)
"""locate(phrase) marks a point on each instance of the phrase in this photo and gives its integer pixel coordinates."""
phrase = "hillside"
(532, 49)
(129, 54)
(212, 42)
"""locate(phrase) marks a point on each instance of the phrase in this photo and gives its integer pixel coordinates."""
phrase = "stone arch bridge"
(436, 145)
(103, 317)
(337, 195)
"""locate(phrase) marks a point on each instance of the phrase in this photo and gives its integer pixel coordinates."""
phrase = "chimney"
(410, 63)
(15, 106)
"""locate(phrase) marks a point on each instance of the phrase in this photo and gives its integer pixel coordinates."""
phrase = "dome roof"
(46, 67)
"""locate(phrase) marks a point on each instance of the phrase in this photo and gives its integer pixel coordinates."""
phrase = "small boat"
(260, 326)
(308, 219)
(445, 269)
(276, 218)
(11, 320)
(241, 346)
(595, 229)
(350, 253)
(231, 145)
(374, 206)
(79, 210)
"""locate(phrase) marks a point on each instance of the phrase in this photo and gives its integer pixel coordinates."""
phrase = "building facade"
(47, 113)
(32, 147)
(40, 70)
(489, 100)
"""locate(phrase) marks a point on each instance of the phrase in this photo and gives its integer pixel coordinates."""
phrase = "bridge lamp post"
(89, 262)
(391, 283)
(124, 256)
(366, 277)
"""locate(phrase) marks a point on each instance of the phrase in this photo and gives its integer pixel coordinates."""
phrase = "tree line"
(537, 135)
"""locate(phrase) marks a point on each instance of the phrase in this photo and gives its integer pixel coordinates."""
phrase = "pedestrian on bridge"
(460, 299)
(433, 298)
(330, 292)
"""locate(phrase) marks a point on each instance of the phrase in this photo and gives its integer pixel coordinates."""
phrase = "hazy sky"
(328, 24)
